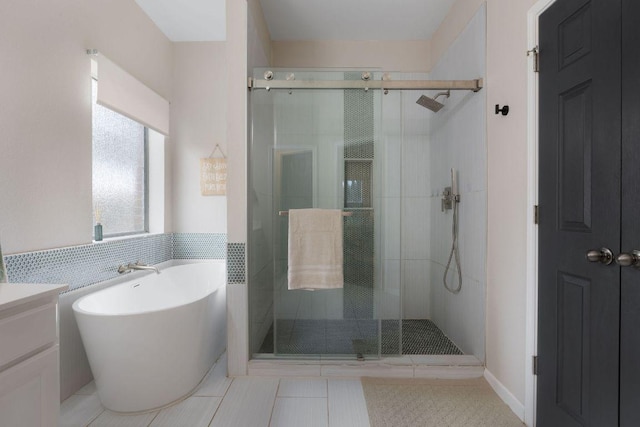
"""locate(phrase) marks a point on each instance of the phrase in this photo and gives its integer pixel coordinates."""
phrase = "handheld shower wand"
(455, 200)
(454, 183)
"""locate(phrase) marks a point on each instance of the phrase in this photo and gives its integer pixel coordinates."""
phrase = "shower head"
(431, 103)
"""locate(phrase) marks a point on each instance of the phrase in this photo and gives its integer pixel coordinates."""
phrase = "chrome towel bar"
(285, 213)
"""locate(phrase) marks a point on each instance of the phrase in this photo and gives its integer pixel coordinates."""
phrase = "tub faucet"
(137, 266)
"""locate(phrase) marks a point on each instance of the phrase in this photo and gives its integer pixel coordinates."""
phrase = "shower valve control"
(448, 198)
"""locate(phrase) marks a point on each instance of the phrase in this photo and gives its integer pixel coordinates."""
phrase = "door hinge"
(536, 214)
(535, 52)
(534, 365)
(250, 82)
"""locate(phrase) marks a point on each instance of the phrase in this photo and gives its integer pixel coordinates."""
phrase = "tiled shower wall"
(458, 140)
(406, 193)
(421, 147)
(359, 112)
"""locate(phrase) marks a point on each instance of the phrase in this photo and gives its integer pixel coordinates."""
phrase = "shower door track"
(473, 85)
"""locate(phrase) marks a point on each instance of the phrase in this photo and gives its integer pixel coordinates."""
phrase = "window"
(120, 171)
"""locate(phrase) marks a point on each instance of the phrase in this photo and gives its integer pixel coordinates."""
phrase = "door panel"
(575, 158)
(573, 348)
(574, 36)
(579, 210)
(630, 280)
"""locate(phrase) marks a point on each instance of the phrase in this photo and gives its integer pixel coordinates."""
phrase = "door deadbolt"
(602, 255)
(629, 259)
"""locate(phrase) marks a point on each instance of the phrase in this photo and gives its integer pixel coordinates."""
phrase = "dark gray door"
(580, 209)
(630, 185)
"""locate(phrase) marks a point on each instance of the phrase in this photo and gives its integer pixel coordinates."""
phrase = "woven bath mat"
(415, 402)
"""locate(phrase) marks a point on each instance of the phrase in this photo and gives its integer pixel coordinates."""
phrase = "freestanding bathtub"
(152, 339)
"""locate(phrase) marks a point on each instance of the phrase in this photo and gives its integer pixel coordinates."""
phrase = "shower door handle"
(630, 259)
(602, 255)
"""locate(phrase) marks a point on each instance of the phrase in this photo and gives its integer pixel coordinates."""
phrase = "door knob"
(602, 255)
(629, 259)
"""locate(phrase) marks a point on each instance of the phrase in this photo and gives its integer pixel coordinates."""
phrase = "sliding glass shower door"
(319, 148)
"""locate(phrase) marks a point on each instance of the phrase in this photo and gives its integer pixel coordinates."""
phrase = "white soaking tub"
(152, 339)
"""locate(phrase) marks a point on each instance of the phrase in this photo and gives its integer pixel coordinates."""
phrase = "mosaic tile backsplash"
(84, 265)
(236, 263)
(199, 246)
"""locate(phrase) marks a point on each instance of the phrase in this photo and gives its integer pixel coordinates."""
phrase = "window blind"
(120, 91)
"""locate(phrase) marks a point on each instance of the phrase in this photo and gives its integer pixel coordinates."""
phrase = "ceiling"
(354, 19)
(204, 20)
(188, 20)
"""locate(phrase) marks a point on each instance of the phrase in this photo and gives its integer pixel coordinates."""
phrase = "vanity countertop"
(13, 294)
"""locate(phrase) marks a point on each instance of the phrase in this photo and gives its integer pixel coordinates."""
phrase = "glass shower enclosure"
(320, 148)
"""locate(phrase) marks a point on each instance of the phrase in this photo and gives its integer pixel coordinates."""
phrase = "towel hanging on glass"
(315, 249)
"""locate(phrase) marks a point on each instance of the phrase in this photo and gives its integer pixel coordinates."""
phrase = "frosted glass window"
(119, 172)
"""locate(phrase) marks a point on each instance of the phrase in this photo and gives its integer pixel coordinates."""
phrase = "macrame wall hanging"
(213, 174)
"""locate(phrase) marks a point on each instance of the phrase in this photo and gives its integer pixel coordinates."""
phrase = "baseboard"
(516, 406)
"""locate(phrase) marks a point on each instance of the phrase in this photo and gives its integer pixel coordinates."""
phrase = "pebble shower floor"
(304, 336)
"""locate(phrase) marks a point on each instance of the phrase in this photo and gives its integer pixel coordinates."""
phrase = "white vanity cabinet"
(29, 357)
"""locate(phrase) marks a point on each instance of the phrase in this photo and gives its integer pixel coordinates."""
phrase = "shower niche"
(376, 155)
(357, 183)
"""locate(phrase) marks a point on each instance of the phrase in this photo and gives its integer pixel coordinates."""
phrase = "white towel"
(315, 249)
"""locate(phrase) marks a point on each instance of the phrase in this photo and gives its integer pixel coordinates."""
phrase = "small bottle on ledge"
(97, 229)
(97, 232)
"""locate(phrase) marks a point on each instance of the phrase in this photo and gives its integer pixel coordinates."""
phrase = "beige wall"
(237, 295)
(45, 117)
(124, 33)
(258, 25)
(456, 20)
(505, 83)
(410, 55)
(237, 120)
(198, 123)
(507, 166)
(248, 47)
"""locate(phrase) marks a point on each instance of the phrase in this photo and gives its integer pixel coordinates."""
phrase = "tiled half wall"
(84, 265)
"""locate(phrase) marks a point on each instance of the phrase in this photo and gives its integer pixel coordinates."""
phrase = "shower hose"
(454, 250)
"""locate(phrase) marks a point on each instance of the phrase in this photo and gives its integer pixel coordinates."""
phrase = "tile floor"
(244, 401)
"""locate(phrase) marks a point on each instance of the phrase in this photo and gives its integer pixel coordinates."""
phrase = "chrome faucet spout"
(137, 266)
